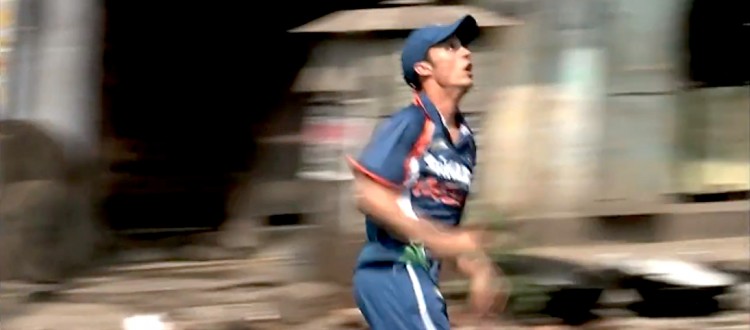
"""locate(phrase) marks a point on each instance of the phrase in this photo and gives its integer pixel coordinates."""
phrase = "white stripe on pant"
(420, 298)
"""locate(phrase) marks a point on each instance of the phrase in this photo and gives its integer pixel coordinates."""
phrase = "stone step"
(671, 222)
(706, 250)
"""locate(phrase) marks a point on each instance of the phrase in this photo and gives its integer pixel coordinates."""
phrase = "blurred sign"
(329, 134)
(7, 33)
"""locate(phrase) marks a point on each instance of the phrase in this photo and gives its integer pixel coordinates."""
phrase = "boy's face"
(449, 64)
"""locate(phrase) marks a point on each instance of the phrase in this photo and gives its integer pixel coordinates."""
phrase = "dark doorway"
(186, 89)
(716, 43)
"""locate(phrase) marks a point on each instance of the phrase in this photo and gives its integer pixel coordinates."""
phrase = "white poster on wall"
(330, 132)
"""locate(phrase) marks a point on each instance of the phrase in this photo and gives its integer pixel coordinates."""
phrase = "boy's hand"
(483, 293)
(486, 294)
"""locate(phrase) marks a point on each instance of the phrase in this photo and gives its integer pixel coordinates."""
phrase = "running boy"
(412, 182)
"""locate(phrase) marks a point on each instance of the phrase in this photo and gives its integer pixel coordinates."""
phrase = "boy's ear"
(423, 68)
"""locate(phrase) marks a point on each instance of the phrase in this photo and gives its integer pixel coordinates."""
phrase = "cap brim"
(465, 29)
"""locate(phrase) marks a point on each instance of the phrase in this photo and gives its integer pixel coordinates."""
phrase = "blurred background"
(186, 159)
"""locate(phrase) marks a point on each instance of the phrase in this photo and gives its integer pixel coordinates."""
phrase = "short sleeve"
(384, 158)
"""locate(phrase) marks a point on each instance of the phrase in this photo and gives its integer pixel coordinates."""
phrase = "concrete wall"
(592, 124)
(639, 147)
(543, 131)
(714, 145)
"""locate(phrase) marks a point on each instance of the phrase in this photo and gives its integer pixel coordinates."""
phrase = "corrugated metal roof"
(400, 18)
(405, 2)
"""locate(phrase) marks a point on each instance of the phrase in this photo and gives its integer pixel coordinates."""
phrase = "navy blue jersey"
(412, 152)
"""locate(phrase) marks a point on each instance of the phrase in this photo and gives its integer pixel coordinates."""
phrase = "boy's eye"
(454, 45)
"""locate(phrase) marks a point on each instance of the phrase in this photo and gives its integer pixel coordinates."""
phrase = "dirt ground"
(258, 294)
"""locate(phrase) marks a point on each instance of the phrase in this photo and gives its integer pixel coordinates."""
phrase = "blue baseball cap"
(422, 39)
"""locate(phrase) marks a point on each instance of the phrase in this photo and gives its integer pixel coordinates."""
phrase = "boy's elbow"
(371, 196)
(360, 197)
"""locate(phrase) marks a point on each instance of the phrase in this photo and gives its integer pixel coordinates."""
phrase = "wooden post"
(68, 84)
(57, 100)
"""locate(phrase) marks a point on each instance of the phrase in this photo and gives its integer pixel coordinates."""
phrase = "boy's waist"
(376, 254)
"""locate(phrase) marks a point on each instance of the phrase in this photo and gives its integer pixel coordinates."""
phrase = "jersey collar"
(422, 101)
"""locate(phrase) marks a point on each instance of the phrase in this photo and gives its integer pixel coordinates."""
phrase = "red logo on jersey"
(445, 192)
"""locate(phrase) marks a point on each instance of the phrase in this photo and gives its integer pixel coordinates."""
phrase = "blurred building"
(594, 125)
(168, 121)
